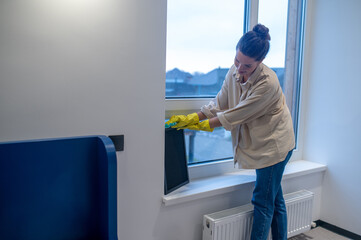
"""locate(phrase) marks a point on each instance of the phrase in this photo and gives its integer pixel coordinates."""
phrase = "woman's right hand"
(177, 121)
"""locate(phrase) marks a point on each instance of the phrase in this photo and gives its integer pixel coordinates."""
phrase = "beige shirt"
(257, 115)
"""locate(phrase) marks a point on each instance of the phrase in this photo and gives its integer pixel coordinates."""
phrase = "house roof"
(210, 78)
(178, 74)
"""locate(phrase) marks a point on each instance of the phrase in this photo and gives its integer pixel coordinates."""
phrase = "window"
(201, 40)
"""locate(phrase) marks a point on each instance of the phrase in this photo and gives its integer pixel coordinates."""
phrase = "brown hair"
(255, 43)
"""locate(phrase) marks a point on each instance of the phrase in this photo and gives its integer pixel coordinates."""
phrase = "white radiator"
(236, 223)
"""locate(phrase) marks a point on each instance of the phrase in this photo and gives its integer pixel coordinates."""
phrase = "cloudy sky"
(202, 34)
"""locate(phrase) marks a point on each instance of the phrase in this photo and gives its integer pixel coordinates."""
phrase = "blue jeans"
(269, 205)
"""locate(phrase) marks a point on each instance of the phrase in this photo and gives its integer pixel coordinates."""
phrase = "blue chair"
(58, 189)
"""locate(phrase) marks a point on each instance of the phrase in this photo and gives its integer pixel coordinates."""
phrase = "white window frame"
(293, 67)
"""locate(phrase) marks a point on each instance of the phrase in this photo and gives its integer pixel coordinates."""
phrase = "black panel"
(175, 160)
(118, 141)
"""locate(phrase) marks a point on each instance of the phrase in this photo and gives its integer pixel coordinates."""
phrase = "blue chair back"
(58, 189)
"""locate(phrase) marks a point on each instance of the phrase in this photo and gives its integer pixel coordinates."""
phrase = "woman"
(252, 106)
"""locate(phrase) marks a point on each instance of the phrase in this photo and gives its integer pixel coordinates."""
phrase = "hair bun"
(262, 32)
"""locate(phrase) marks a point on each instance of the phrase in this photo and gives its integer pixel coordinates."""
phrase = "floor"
(319, 233)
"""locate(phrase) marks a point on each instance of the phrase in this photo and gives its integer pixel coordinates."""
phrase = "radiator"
(236, 223)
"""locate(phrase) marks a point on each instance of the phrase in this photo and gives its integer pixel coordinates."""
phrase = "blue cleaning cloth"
(170, 125)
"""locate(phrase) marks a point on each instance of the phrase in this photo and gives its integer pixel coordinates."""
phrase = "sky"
(202, 34)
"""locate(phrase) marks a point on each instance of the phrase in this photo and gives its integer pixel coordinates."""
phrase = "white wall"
(332, 133)
(84, 67)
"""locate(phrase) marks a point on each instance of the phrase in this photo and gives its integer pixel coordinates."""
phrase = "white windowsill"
(207, 187)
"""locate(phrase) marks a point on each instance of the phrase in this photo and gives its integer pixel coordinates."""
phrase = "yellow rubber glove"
(182, 120)
(203, 126)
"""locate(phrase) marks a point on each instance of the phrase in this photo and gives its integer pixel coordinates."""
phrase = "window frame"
(293, 70)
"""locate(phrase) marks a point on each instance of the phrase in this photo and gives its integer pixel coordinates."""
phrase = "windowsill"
(207, 187)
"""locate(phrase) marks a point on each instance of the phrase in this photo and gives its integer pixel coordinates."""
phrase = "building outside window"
(201, 40)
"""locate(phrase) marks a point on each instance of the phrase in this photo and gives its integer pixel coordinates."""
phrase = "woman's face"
(245, 65)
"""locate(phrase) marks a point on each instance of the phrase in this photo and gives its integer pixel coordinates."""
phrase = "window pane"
(205, 146)
(277, 24)
(201, 40)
